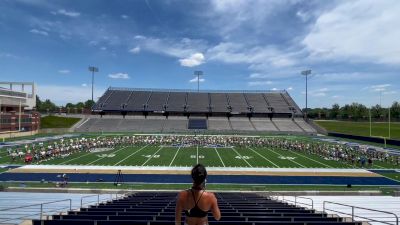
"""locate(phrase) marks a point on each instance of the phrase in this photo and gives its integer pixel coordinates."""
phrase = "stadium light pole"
(93, 70)
(306, 73)
(198, 73)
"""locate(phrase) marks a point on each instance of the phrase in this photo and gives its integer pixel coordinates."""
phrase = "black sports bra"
(196, 211)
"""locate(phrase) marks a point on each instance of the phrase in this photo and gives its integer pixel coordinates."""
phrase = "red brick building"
(16, 108)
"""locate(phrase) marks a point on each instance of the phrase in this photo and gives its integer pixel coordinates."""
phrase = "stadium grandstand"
(169, 110)
(17, 104)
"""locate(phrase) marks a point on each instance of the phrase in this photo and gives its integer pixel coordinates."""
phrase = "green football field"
(151, 155)
(361, 128)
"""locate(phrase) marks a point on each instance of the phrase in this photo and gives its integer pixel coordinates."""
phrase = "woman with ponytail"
(196, 202)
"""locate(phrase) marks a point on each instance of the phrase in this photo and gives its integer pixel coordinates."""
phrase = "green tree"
(395, 110)
(89, 104)
(345, 112)
(335, 111)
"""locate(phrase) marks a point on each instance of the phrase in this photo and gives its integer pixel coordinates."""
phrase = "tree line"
(47, 106)
(355, 111)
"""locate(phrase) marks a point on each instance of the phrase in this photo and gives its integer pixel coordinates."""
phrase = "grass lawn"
(361, 128)
(57, 122)
(153, 155)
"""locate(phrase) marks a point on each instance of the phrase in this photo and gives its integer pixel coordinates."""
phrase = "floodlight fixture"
(198, 73)
(93, 70)
(306, 73)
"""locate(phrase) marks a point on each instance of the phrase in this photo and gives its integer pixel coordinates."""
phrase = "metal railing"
(193, 90)
(28, 215)
(352, 214)
(296, 201)
(90, 196)
(98, 199)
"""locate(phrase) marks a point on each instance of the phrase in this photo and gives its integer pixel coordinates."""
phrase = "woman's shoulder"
(209, 194)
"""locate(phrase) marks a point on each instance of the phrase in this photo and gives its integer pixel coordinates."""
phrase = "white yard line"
(175, 156)
(380, 166)
(197, 154)
(130, 155)
(241, 156)
(219, 157)
(283, 156)
(152, 155)
(82, 123)
(263, 157)
(103, 158)
(62, 163)
(311, 159)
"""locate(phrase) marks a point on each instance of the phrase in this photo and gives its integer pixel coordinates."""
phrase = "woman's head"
(199, 174)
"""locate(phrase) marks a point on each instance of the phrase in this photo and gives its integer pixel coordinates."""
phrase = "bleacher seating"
(219, 103)
(263, 124)
(278, 103)
(241, 124)
(157, 101)
(158, 208)
(182, 124)
(198, 102)
(138, 101)
(225, 111)
(238, 103)
(257, 102)
(180, 101)
(286, 124)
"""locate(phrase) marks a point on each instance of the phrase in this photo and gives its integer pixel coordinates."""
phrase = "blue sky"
(352, 47)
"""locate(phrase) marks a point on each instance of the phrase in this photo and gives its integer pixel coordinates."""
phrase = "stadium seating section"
(178, 101)
(182, 111)
(173, 124)
(150, 208)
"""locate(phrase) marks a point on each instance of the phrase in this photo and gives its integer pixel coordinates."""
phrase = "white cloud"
(258, 76)
(7, 55)
(66, 13)
(63, 94)
(378, 87)
(259, 83)
(193, 60)
(41, 32)
(274, 89)
(118, 76)
(84, 85)
(103, 48)
(361, 30)
(93, 43)
(304, 16)
(289, 88)
(176, 48)
(322, 92)
(230, 16)
(64, 71)
(194, 80)
(259, 57)
(389, 92)
(123, 16)
(139, 37)
(135, 50)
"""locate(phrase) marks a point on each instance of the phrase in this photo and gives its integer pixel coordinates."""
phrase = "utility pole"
(198, 73)
(306, 73)
(93, 70)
